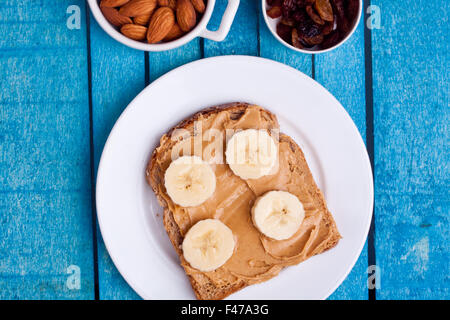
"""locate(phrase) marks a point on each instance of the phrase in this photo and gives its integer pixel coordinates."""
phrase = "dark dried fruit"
(324, 9)
(275, 2)
(288, 21)
(314, 16)
(342, 22)
(299, 15)
(315, 24)
(327, 28)
(295, 39)
(307, 28)
(312, 41)
(284, 32)
(274, 12)
(338, 6)
(301, 3)
(331, 40)
(304, 3)
(343, 25)
(352, 9)
(288, 8)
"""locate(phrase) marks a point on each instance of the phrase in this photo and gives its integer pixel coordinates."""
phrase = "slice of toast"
(233, 200)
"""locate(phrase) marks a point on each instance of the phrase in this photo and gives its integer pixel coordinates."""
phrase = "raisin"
(314, 16)
(324, 9)
(338, 6)
(352, 9)
(275, 2)
(331, 40)
(343, 25)
(274, 12)
(312, 41)
(306, 45)
(313, 23)
(288, 8)
(288, 21)
(327, 28)
(304, 3)
(307, 28)
(284, 32)
(299, 15)
(295, 39)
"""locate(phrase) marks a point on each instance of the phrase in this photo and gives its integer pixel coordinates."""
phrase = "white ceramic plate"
(130, 218)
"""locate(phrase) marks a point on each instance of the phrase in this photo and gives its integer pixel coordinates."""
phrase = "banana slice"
(278, 214)
(189, 181)
(208, 245)
(251, 153)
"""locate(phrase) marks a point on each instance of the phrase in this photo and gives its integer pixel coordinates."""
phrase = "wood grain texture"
(271, 48)
(45, 215)
(243, 36)
(341, 71)
(162, 62)
(411, 117)
(118, 75)
(45, 185)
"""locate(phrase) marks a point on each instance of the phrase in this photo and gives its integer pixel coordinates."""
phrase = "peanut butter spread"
(257, 257)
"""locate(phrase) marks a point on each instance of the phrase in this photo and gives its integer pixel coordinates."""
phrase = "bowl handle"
(225, 24)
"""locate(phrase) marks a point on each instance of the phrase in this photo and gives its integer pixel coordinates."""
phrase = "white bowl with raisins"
(312, 26)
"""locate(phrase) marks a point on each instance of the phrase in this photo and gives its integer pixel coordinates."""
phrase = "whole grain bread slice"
(204, 288)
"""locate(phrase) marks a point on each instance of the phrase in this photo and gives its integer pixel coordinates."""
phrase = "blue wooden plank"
(243, 36)
(271, 48)
(118, 75)
(162, 62)
(45, 193)
(411, 116)
(112, 286)
(354, 286)
(341, 71)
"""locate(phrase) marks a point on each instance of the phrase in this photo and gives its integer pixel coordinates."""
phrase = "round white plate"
(131, 219)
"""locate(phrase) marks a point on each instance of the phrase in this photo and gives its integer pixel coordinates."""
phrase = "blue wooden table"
(63, 88)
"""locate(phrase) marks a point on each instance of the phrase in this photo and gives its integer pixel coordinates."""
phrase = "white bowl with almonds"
(159, 25)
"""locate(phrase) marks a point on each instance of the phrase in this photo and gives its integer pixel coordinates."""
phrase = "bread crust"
(205, 289)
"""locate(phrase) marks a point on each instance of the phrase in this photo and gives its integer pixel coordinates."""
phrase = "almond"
(112, 3)
(168, 3)
(173, 4)
(136, 8)
(160, 25)
(114, 17)
(143, 19)
(186, 16)
(174, 33)
(199, 5)
(134, 31)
